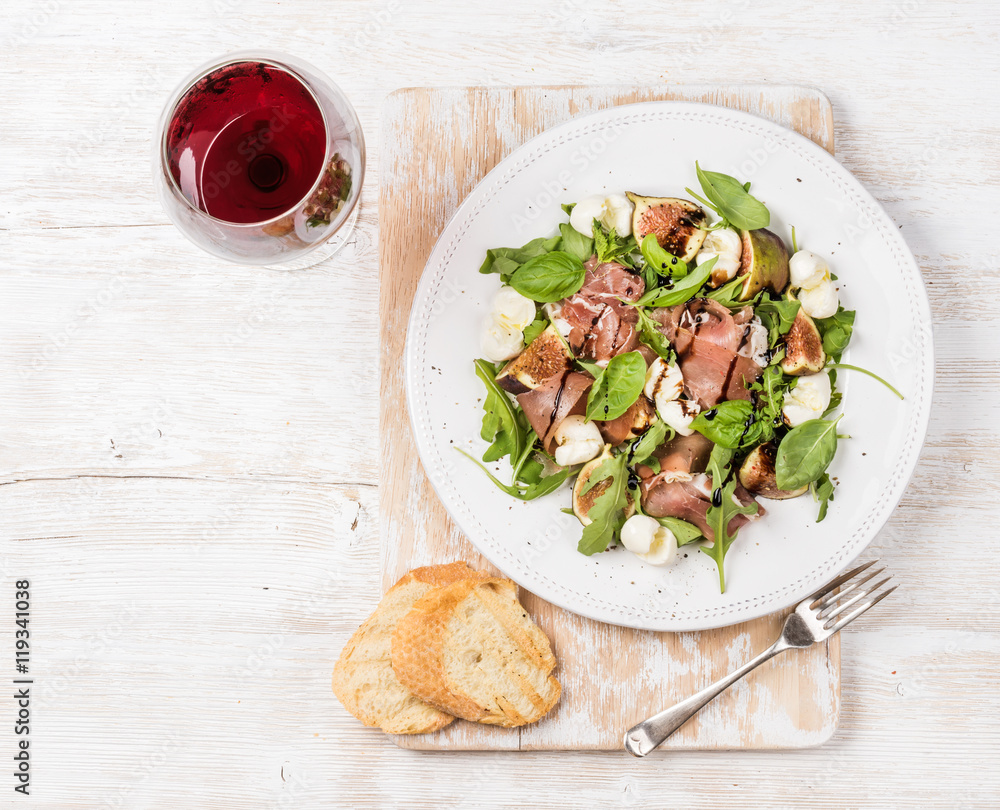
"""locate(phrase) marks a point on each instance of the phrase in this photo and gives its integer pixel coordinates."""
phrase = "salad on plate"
(674, 360)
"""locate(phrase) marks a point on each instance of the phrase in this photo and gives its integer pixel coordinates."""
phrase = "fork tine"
(828, 589)
(836, 608)
(850, 617)
(827, 601)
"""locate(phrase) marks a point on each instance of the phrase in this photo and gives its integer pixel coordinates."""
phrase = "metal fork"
(815, 619)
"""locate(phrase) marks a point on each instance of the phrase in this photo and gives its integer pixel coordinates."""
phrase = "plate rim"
(892, 491)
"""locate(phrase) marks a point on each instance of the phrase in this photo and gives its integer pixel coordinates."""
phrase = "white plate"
(651, 149)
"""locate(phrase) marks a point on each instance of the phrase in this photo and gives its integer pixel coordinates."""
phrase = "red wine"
(247, 142)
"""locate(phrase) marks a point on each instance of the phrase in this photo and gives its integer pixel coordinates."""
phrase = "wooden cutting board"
(435, 145)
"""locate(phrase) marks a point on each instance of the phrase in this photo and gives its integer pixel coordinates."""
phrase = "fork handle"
(647, 735)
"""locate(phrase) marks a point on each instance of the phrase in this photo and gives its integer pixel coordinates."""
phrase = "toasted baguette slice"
(363, 679)
(544, 358)
(471, 649)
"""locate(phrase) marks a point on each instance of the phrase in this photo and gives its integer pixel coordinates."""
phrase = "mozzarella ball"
(578, 441)
(726, 247)
(500, 342)
(806, 269)
(612, 211)
(512, 309)
(648, 540)
(821, 301)
(679, 415)
(809, 399)
(664, 382)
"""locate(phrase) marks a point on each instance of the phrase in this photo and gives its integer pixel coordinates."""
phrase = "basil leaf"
(805, 453)
(500, 422)
(568, 208)
(617, 388)
(836, 331)
(681, 291)
(732, 200)
(506, 260)
(607, 514)
(684, 532)
(549, 278)
(663, 263)
(575, 243)
(733, 424)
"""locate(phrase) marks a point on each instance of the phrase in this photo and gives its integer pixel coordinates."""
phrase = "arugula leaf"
(732, 424)
(650, 334)
(662, 263)
(644, 447)
(771, 388)
(680, 292)
(728, 507)
(506, 260)
(526, 491)
(568, 208)
(729, 294)
(836, 332)
(575, 243)
(871, 374)
(684, 532)
(732, 201)
(612, 248)
(617, 388)
(550, 277)
(500, 422)
(534, 329)
(608, 511)
(805, 453)
(822, 492)
(777, 316)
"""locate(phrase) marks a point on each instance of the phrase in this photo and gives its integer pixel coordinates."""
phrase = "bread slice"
(471, 650)
(363, 679)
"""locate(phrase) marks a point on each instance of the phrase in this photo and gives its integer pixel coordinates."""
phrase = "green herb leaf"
(568, 208)
(500, 423)
(822, 492)
(506, 260)
(575, 243)
(684, 532)
(732, 201)
(526, 492)
(729, 294)
(608, 511)
(617, 388)
(644, 447)
(836, 332)
(549, 278)
(534, 329)
(871, 374)
(650, 334)
(805, 453)
(681, 291)
(733, 424)
(612, 248)
(784, 313)
(720, 516)
(662, 263)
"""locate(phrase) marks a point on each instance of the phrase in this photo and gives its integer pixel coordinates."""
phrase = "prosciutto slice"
(550, 403)
(690, 500)
(708, 340)
(600, 325)
(629, 425)
(680, 459)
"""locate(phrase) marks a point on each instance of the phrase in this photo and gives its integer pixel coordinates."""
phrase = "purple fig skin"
(764, 263)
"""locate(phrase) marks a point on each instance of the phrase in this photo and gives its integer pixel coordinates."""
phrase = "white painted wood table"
(188, 463)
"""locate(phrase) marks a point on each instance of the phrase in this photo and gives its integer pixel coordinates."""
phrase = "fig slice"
(757, 474)
(545, 357)
(803, 346)
(676, 223)
(764, 263)
(582, 503)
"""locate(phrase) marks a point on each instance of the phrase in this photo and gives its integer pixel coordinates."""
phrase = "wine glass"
(260, 160)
